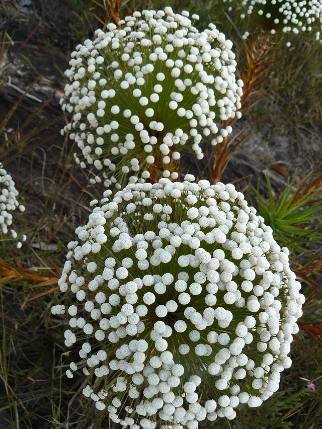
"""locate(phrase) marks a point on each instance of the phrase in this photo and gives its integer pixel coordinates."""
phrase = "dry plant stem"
(115, 6)
(309, 188)
(256, 71)
(10, 273)
(313, 267)
(156, 169)
(112, 10)
(313, 330)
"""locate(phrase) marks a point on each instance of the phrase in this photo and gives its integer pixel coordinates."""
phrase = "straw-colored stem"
(256, 72)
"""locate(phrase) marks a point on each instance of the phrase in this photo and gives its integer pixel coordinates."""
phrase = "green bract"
(142, 91)
(184, 304)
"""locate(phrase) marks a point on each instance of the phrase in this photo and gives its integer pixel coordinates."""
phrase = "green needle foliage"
(290, 214)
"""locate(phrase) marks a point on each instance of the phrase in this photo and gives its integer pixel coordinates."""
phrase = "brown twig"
(312, 330)
(311, 267)
(111, 10)
(308, 187)
(257, 60)
(16, 273)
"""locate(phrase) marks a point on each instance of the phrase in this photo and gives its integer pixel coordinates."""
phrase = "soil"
(43, 36)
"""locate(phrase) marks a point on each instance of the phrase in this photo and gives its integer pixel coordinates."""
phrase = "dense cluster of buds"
(8, 202)
(184, 304)
(142, 92)
(291, 16)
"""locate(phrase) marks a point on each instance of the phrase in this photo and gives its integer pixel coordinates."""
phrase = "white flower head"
(141, 92)
(163, 319)
(8, 204)
(287, 16)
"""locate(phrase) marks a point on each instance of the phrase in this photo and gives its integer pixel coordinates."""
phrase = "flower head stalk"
(143, 92)
(184, 304)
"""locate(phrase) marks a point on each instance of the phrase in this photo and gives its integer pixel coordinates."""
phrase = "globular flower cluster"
(8, 202)
(185, 305)
(142, 91)
(288, 16)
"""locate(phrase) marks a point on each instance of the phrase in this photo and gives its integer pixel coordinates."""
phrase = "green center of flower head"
(141, 92)
(288, 16)
(188, 303)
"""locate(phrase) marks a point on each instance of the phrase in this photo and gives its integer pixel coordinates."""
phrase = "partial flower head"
(8, 202)
(184, 304)
(287, 16)
(142, 91)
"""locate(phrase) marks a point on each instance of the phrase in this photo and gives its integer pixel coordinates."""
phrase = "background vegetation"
(34, 392)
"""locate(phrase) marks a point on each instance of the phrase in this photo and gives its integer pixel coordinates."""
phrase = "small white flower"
(283, 16)
(8, 203)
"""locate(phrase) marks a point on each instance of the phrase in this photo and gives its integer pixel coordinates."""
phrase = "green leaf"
(290, 217)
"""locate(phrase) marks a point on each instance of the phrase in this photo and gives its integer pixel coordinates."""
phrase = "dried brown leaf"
(279, 168)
